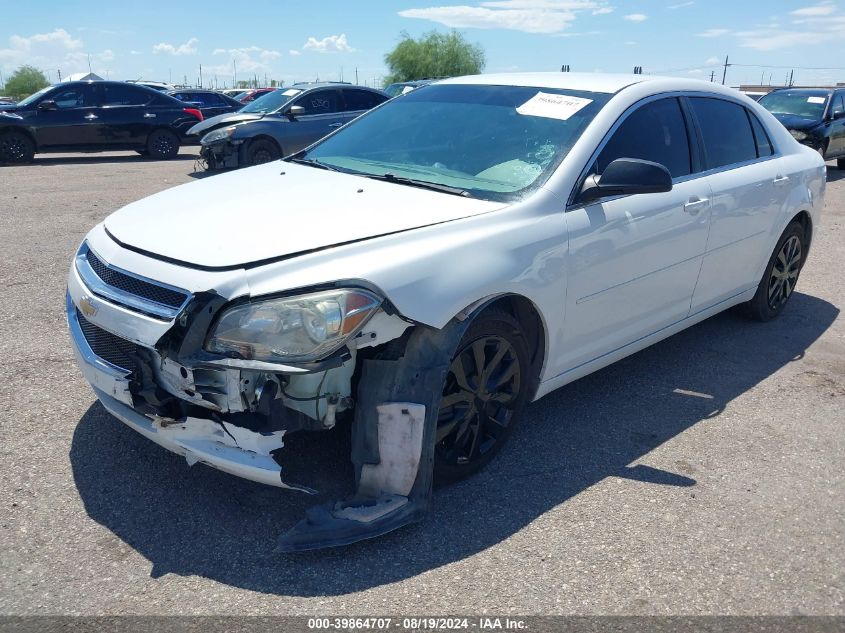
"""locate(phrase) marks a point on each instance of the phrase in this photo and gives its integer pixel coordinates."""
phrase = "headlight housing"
(798, 135)
(218, 135)
(293, 329)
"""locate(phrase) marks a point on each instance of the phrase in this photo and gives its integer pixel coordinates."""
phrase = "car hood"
(794, 122)
(277, 210)
(223, 119)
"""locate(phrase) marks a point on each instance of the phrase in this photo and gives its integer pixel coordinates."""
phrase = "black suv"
(95, 116)
(814, 116)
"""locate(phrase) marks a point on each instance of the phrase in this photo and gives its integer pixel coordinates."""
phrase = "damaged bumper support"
(221, 154)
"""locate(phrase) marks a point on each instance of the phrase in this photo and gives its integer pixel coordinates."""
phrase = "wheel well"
(807, 222)
(527, 315)
(264, 137)
(23, 131)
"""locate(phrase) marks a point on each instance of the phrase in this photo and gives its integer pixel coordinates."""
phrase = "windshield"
(271, 101)
(35, 97)
(809, 105)
(492, 142)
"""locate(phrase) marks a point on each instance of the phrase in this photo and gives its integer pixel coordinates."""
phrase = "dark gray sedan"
(282, 123)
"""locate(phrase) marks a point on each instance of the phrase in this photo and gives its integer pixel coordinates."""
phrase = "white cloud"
(135, 53)
(636, 17)
(330, 44)
(823, 8)
(630, 43)
(294, 53)
(713, 33)
(529, 16)
(712, 61)
(680, 5)
(188, 48)
(695, 71)
(50, 51)
(248, 59)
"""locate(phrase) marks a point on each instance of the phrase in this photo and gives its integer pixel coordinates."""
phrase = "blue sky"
(165, 40)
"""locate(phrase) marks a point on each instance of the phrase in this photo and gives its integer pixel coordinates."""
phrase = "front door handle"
(780, 180)
(149, 115)
(91, 117)
(335, 124)
(695, 205)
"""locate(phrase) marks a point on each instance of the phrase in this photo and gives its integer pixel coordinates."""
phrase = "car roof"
(588, 82)
(805, 91)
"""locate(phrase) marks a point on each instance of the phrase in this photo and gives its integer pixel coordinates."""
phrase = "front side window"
(70, 98)
(725, 130)
(838, 105)
(319, 102)
(655, 131)
(489, 142)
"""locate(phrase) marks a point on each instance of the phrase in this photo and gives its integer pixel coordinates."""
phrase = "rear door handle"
(149, 115)
(779, 180)
(91, 117)
(335, 124)
(695, 205)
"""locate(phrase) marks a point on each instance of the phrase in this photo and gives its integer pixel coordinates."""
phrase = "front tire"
(781, 276)
(485, 391)
(16, 147)
(262, 151)
(162, 145)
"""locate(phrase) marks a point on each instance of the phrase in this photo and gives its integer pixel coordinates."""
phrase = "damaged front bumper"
(223, 154)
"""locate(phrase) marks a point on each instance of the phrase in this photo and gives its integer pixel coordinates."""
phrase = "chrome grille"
(112, 349)
(134, 285)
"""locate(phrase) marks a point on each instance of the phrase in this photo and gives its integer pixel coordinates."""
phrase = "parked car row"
(435, 265)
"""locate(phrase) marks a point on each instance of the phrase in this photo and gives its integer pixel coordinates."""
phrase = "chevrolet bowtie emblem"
(87, 307)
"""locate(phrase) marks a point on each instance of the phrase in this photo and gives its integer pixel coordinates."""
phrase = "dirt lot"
(703, 475)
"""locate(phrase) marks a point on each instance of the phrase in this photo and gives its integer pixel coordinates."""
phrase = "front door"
(322, 115)
(73, 122)
(634, 260)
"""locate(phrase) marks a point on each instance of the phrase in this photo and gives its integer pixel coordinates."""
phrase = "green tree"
(433, 55)
(24, 81)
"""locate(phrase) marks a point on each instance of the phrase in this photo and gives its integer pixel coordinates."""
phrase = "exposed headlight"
(798, 135)
(218, 135)
(303, 328)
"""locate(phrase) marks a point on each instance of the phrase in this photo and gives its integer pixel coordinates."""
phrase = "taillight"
(194, 112)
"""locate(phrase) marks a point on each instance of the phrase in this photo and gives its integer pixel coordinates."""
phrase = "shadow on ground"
(43, 160)
(199, 521)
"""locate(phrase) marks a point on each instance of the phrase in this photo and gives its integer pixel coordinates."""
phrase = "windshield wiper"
(422, 184)
(312, 162)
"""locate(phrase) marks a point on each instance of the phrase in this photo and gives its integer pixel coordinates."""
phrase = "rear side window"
(361, 100)
(655, 132)
(725, 130)
(319, 102)
(761, 139)
(124, 95)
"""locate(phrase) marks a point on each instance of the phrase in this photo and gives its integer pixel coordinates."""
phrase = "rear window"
(725, 130)
(361, 100)
(764, 145)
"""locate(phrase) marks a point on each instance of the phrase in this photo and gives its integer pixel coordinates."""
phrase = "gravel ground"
(701, 476)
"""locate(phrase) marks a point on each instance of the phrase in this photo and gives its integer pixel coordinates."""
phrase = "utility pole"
(712, 75)
(725, 72)
(790, 77)
(89, 62)
(234, 74)
(356, 75)
(59, 73)
(200, 76)
(564, 68)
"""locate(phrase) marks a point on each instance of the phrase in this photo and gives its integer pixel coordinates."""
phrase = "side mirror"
(838, 115)
(48, 104)
(295, 111)
(625, 177)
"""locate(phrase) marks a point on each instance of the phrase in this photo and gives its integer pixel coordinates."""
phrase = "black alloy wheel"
(162, 144)
(16, 147)
(262, 151)
(778, 282)
(484, 393)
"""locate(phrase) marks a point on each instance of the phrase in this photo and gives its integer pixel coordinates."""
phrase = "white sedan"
(428, 270)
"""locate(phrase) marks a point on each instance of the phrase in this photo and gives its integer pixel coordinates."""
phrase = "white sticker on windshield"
(553, 106)
(407, 89)
(815, 99)
(290, 93)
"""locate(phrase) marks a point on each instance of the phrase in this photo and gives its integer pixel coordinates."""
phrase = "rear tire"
(262, 151)
(142, 152)
(485, 391)
(781, 276)
(162, 145)
(16, 147)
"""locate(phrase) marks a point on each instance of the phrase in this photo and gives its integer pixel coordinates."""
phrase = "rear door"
(634, 260)
(322, 115)
(356, 102)
(744, 174)
(74, 123)
(126, 121)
